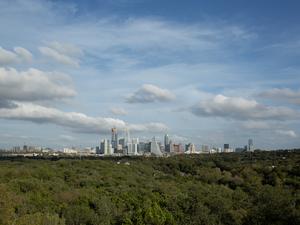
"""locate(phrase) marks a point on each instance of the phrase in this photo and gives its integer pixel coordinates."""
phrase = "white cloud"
(77, 122)
(63, 53)
(23, 53)
(18, 56)
(242, 109)
(284, 94)
(150, 93)
(118, 111)
(34, 85)
(288, 133)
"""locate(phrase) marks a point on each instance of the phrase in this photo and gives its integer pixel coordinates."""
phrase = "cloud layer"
(150, 93)
(62, 53)
(288, 133)
(34, 85)
(242, 109)
(19, 55)
(77, 122)
(285, 94)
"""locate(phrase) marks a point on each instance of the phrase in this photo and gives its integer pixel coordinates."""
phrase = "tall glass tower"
(114, 138)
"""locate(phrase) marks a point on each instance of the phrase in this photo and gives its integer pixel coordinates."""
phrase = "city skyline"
(202, 72)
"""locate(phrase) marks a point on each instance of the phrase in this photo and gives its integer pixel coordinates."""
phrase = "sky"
(204, 71)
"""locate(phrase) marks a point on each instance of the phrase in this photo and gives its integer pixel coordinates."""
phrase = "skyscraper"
(132, 147)
(154, 148)
(167, 143)
(114, 138)
(250, 145)
(106, 147)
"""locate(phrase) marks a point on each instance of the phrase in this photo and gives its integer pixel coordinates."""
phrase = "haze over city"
(202, 72)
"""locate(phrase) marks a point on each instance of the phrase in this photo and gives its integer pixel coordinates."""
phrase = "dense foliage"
(258, 188)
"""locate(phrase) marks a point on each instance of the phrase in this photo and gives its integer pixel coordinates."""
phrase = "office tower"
(250, 145)
(114, 138)
(167, 143)
(98, 150)
(190, 148)
(127, 136)
(144, 147)
(178, 148)
(205, 149)
(226, 148)
(122, 142)
(106, 147)
(132, 147)
(25, 148)
(171, 147)
(154, 148)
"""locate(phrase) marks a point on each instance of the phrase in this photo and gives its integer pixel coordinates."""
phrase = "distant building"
(178, 148)
(227, 148)
(70, 151)
(122, 143)
(144, 147)
(250, 145)
(114, 138)
(132, 148)
(25, 148)
(205, 149)
(98, 150)
(190, 148)
(167, 143)
(106, 147)
(154, 147)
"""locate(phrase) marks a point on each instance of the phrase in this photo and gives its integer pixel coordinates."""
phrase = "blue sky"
(208, 72)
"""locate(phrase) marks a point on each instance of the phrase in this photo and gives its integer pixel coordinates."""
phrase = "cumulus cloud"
(77, 122)
(19, 55)
(63, 53)
(242, 109)
(33, 85)
(150, 93)
(288, 133)
(284, 94)
(118, 111)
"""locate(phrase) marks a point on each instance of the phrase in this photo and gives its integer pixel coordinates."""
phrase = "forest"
(231, 189)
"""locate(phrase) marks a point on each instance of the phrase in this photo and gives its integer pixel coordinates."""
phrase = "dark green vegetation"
(259, 188)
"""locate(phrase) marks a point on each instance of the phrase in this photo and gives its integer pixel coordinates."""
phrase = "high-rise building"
(250, 145)
(98, 150)
(190, 148)
(114, 138)
(226, 146)
(127, 136)
(132, 148)
(167, 143)
(178, 148)
(144, 147)
(205, 149)
(154, 148)
(106, 147)
(122, 142)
